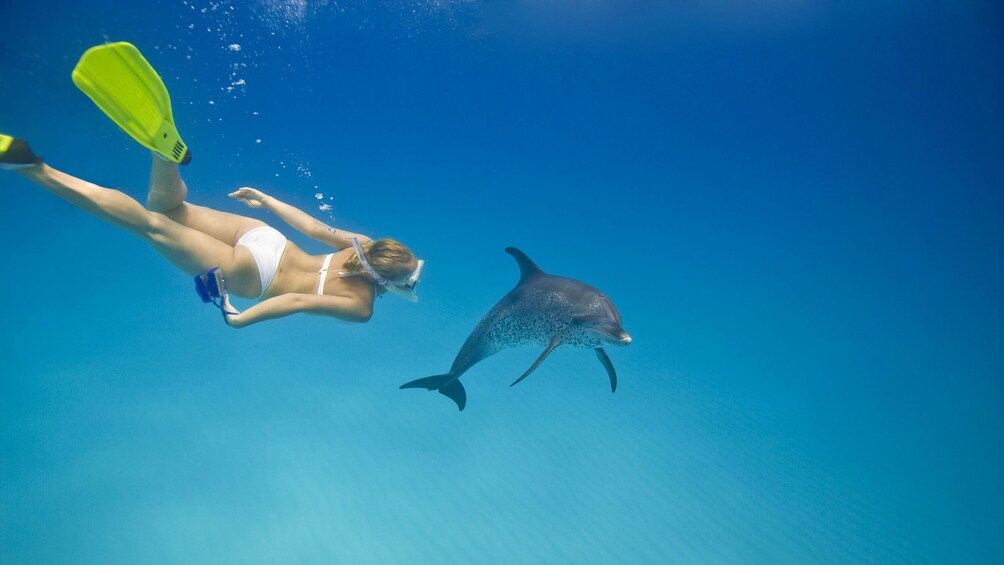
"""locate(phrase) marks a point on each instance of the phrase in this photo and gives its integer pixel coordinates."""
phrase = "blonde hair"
(388, 257)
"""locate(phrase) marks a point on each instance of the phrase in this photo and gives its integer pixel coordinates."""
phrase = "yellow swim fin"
(127, 89)
(16, 153)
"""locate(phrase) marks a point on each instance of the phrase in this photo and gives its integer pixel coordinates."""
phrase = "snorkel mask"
(405, 288)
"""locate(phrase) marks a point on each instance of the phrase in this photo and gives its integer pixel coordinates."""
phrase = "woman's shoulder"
(338, 257)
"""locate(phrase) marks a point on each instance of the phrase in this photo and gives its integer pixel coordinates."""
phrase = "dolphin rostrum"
(543, 309)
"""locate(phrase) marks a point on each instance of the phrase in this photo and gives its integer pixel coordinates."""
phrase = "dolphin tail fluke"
(455, 392)
(429, 383)
(447, 385)
(555, 342)
(609, 366)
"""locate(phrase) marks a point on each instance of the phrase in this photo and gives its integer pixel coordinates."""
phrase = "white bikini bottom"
(266, 245)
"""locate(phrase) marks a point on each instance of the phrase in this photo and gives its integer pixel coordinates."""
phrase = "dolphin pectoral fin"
(448, 385)
(555, 341)
(609, 366)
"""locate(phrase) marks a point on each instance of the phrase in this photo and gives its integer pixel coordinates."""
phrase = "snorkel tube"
(406, 293)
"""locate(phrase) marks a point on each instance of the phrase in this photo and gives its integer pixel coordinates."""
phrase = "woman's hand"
(253, 198)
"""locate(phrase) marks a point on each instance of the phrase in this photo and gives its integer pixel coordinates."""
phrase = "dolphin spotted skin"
(542, 309)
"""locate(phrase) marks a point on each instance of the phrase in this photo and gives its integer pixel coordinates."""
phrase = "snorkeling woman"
(256, 260)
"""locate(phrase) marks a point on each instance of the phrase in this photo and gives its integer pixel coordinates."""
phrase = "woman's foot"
(16, 154)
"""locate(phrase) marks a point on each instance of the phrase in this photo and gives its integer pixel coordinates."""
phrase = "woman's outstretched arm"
(298, 219)
(341, 307)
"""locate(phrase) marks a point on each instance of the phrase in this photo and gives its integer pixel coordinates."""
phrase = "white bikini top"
(324, 273)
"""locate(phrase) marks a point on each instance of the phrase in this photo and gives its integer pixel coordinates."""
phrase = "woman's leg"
(190, 250)
(167, 189)
(167, 196)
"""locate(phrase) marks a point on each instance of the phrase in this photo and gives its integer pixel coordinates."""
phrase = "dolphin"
(542, 309)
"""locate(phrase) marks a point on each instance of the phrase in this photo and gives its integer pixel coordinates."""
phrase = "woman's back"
(299, 272)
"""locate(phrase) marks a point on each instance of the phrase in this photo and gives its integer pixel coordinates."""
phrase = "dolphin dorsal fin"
(527, 268)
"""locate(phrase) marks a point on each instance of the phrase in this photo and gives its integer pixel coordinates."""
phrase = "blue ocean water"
(797, 208)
